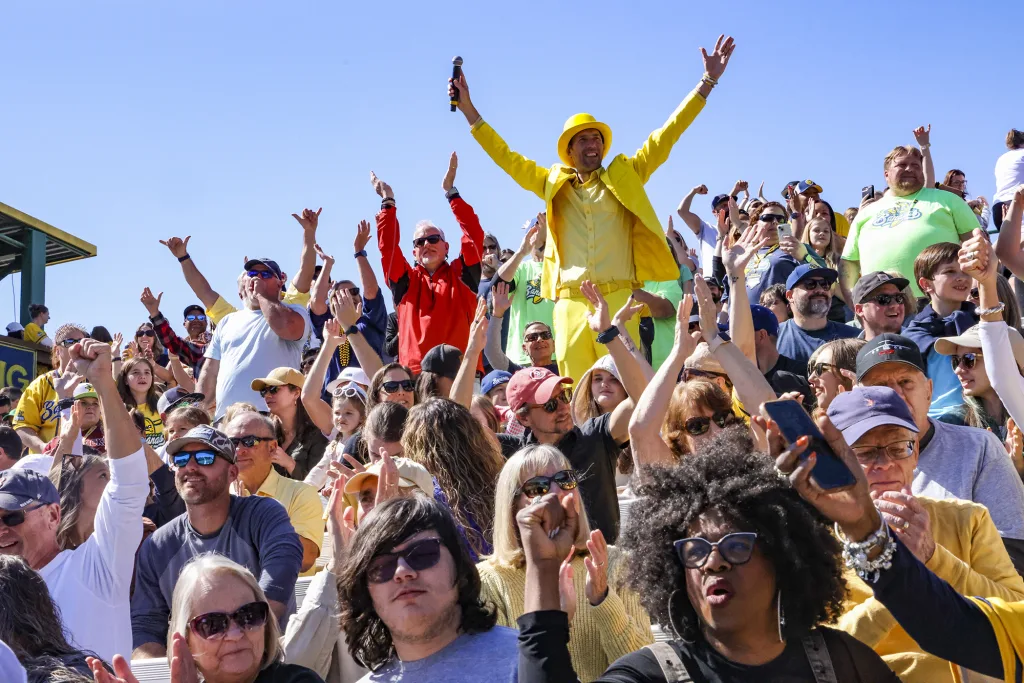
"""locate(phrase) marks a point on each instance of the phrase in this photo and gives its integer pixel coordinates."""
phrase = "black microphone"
(456, 75)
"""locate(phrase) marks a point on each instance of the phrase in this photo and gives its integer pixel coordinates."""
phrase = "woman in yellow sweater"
(606, 621)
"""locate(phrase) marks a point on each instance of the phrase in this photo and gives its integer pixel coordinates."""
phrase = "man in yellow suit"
(601, 225)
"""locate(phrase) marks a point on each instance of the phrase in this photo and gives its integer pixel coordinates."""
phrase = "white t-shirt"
(90, 584)
(1009, 174)
(708, 237)
(247, 349)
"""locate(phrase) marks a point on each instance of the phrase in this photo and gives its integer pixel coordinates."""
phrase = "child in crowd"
(348, 412)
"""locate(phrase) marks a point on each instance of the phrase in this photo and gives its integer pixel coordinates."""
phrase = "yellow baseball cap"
(279, 377)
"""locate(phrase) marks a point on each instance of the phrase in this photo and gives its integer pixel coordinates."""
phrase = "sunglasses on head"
(68, 343)
(769, 217)
(693, 373)
(394, 386)
(695, 426)
(539, 486)
(145, 333)
(249, 441)
(195, 316)
(420, 555)
(263, 274)
(886, 299)
(204, 458)
(420, 241)
(214, 625)
(537, 336)
(813, 284)
(734, 549)
(17, 518)
(269, 390)
(552, 404)
(968, 360)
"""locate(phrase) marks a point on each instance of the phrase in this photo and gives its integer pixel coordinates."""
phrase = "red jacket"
(432, 309)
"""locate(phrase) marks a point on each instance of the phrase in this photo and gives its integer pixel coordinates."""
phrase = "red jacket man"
(435, 299)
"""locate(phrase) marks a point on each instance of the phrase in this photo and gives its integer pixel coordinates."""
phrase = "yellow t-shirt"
(33, 333)
(38, 408)
(154, 426)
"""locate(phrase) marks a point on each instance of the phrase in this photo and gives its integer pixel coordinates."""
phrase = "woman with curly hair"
(465, 461)
(726, 555)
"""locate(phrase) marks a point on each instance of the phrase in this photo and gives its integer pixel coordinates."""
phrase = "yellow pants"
(576, 346)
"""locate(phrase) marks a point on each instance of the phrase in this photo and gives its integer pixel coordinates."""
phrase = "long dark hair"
(389, 525)
(152, 395)
(378, 381)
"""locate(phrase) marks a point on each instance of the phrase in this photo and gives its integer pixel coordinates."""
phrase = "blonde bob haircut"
(525, 463)
(202, 571)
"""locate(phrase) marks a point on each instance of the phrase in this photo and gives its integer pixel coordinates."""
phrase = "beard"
(201, 491)
(910, 184)
(813, 307)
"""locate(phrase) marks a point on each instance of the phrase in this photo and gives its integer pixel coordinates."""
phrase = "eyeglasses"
(897, 450)
(204, 458)
(17, 518)
(418, 556)
(819, 369)
(886, 299)
(269, 390)
(695, 426)
(420, 241)
(145, 333)
(734, 548)
(68, 343)
(539, 486)
(489, 248)
(249, 441)
(262, 274)
(813, 284)
(394, 386)
(769, 217)
(537, 336)
(213, 625)
(974, 293)
(968, 360)
(195, 316)
(552, 404)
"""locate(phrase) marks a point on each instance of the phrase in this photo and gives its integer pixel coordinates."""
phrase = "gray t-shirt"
(488, 657)
(971, 464)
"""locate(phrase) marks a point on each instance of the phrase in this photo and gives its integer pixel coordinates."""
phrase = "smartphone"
(785, 230)
(532, 224)
(867, 192)
(830, 472)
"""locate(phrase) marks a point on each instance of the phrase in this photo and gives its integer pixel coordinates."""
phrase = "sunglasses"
(68, 343)
(195, 316)
(420, 241)
(552, 403)
(490, 248)
(269, 390)
(249, 441)
(734, 549)
(418, 556)
(695, 426)
(537, 336)
(693, 373)
(539, 486)
(819, 369)
(17, 518)
(262, 274)
(204, 458)
(394, 386)
(813, 284)
(145, 333)
(350, 392)
(214, 625)
(886, 299)
(968, 360)
(897, 450)
(770, 217)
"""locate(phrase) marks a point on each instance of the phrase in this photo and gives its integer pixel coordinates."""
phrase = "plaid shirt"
(189, 352)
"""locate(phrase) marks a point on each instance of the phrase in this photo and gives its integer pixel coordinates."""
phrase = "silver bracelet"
(855, 555)
(998, 308)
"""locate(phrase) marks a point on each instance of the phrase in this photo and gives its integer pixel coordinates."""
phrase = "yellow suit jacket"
(625, 177)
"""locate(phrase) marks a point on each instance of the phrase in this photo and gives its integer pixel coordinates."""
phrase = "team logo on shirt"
(896, 214)
(533, 291)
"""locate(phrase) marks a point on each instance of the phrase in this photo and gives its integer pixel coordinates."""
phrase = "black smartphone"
(867, 192)
(830, 472)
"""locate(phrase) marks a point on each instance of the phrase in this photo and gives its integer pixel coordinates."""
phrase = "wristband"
(115, 359)
(361, 252)
(715, 342)
(608, 335)
(452, 193)
(352, 330)
(182, 259)
(388, 203)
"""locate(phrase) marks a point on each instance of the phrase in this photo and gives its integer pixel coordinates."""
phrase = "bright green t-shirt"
(664, 328)
(526, 306)
(890, 233)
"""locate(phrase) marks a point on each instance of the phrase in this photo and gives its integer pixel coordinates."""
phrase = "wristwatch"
(608, 335)
(352, 330)
(361, 252)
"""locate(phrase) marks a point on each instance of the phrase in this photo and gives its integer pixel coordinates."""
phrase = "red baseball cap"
(533, 385)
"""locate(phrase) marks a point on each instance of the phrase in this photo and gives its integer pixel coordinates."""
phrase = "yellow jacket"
(969, 555)
(625, 177)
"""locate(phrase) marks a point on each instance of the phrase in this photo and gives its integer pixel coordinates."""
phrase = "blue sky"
(124, 123)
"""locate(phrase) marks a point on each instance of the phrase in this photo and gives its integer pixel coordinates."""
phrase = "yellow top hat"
(574, 125)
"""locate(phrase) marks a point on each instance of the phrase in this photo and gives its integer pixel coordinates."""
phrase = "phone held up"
(867, 192)
(830, 472)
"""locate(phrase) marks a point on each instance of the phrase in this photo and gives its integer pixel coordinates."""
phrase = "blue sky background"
(126, 122)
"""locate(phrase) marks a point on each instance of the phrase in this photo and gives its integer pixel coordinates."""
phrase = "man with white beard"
(809, 292)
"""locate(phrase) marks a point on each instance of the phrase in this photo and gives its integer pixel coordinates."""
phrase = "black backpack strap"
(817, 655)
(671, 665)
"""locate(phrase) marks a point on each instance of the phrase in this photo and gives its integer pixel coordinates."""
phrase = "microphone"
(456, 74)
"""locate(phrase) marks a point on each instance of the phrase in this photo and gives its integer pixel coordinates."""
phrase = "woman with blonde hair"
(607, 621)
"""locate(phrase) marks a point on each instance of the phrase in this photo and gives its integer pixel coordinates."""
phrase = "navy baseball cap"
(206, 436)
(810, 270)
(193, 307)
(269, 263)
(719, 198)
(888, 348)
(20, 488)
(805, 185)
(857, 412)
(175, 397)
(764, 319)
(443, 359)
(494, 378)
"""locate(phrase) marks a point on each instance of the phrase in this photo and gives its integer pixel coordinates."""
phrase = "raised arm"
(181, 377)
(367, 278)
(462, 387)
(492, 348)
(741, 322)
(319, 410)
(1008, 247)
(347, 312)
(196, 280)
(322, 284)
(691, 219)
(392, 260)
(285, 322)
(507, 271)
(307, 261)
(923, 137)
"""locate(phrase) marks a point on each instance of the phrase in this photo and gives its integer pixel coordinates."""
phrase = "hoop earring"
(672, 619)
(781, 615)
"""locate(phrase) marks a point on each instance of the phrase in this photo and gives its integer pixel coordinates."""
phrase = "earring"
(672, 620)
(781, 615)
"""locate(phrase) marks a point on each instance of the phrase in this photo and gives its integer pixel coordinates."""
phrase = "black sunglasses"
(819, 369)
(734, 549)
(204, 458)
(967, 360)
(420, 555)
(537, 336)
(394, 386)
(262, 274)
(249, 441)
(195, 316)
(420, 241)
(813, 284)
(539, 486)
(17, 518)
(695, 426)
(214, 625)
(552, 403)
(269, 390)
(886, 299)
(145, 333)
(769, 217)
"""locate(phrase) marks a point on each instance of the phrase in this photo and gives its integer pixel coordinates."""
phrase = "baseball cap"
(533, 385)
(971, 338)
(718, 199)
(350, 374)
(410, 474)
(805, 185)
(20, 488)
(713, 281)
(175, 397)
(85, 390)
(810, 270)
(872, 281)
(269, 263)
(206, 436)
(857, 412)
(443, 359)
(494, 378)
(701, 359)
(193, 307)
(14, 327)
(764, 319)
(888, 348)
(278, 377)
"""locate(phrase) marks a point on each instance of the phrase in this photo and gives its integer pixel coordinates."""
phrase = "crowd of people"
(565, 461)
